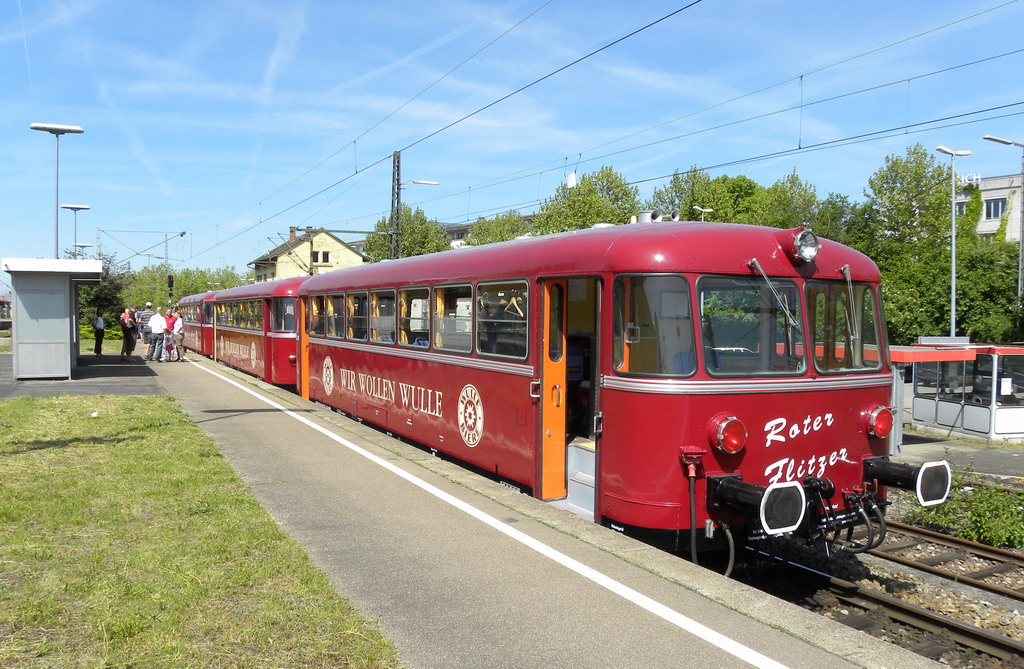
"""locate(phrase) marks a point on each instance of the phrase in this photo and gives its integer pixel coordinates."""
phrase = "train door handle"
(557, 390)
(535, 391)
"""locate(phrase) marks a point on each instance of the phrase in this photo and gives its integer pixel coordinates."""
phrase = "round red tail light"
(880, 421)
(727, 433)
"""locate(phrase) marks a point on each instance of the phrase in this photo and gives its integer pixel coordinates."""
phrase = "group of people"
(163, 333)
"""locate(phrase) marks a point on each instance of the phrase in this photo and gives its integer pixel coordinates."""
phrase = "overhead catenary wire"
(529, 172)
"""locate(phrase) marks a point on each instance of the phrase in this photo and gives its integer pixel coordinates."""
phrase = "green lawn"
(127, 540)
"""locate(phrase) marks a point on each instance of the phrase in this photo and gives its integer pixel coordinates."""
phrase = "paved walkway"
(461, 572)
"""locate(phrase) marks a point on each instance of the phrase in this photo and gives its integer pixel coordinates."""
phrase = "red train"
(665, 376)
(251, 328)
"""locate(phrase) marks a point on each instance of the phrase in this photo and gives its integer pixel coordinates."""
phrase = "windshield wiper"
(754, 265)
(851, 322)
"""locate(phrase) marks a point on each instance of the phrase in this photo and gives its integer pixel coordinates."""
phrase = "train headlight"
(879, 421)
(727, 433)
(805, 245)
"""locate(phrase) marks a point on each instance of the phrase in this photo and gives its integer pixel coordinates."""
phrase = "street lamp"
(395, 233)
(702, 211)
(952, 238)
(81, 246)
(1020, 208)
(75, 208)
(56, 131)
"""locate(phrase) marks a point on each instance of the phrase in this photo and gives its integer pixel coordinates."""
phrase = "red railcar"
(254, 329)
(197, 312)
(672, 376)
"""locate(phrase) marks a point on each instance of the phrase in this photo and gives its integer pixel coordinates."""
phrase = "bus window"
(317, 323)
(357, 313)
(284, 314)
(453, 318)
(502, 319)
(653, 332)
(336, 309)
(750, 328)
(382, 316)
(844, 326)
(414, 317)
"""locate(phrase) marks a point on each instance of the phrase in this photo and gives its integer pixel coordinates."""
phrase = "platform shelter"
(45, 313)
(976, 390)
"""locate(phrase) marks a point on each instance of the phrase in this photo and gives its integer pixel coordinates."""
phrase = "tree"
(905, 228)
(419, 235)
(694, 188)
(787, 203)
(498, 229)
(108, 294)
(599, 197)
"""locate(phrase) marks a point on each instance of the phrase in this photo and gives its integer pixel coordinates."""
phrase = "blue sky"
(233, 120)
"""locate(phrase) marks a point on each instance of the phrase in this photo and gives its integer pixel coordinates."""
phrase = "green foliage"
(787, 203)
(106, 296)
(981, 513)
(498, 229)
(599, 197)
(420, 236)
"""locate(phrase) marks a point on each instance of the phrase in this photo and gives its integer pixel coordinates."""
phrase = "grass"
(126, 540)
(980, 512)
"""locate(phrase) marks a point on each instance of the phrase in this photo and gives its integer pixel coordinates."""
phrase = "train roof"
(278, 288)
(721, 248)
(198, 297)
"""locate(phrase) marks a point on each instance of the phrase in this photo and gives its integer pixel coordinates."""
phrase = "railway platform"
(459, 571)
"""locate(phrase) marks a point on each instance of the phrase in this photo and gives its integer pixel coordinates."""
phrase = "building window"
(321, 257)
(995, 208)
(961, 208)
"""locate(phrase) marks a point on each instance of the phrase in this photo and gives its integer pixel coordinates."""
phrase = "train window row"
(246, 314)
(443, 318)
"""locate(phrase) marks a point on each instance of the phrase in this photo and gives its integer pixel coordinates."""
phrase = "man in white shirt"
(157, 325)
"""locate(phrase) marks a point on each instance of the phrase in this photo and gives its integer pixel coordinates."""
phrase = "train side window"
(317, 323)
(382, 316)
(357, 316)
(283, 314)
(502, 327)
(453, 318)
(653, 328)
(414, 317)
(336, 315)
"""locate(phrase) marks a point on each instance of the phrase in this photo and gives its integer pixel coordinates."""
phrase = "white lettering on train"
(790, 469)
(779, 428)
(421, 400)
(417, 399)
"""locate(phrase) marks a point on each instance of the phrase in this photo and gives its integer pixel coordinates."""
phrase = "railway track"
(931, 634)
(991, 569)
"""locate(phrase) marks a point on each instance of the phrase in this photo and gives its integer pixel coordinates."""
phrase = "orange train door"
(553, 391)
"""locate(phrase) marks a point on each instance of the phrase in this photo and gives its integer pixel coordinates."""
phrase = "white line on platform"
(664, 612)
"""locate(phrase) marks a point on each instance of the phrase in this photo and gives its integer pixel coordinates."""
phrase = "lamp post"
(56, 131)
(75, 208)
(1020, 209)
(702, 211)
(80, 247)
(952, 237)
(395, 241)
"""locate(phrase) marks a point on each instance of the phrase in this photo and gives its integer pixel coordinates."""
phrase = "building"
(314, 251)
(1000, 197)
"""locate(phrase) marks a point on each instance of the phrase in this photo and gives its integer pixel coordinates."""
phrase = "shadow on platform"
(94, 375)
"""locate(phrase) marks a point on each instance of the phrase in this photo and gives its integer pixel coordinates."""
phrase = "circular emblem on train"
(471, 416)
(327, 375)
(252, 354)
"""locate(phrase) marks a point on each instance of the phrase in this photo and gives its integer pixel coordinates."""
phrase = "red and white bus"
(670, 376)
(254, 329)
(197, 313)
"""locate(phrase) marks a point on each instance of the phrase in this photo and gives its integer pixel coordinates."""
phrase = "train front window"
(653, 327)
(751, 328)
(844, 326)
